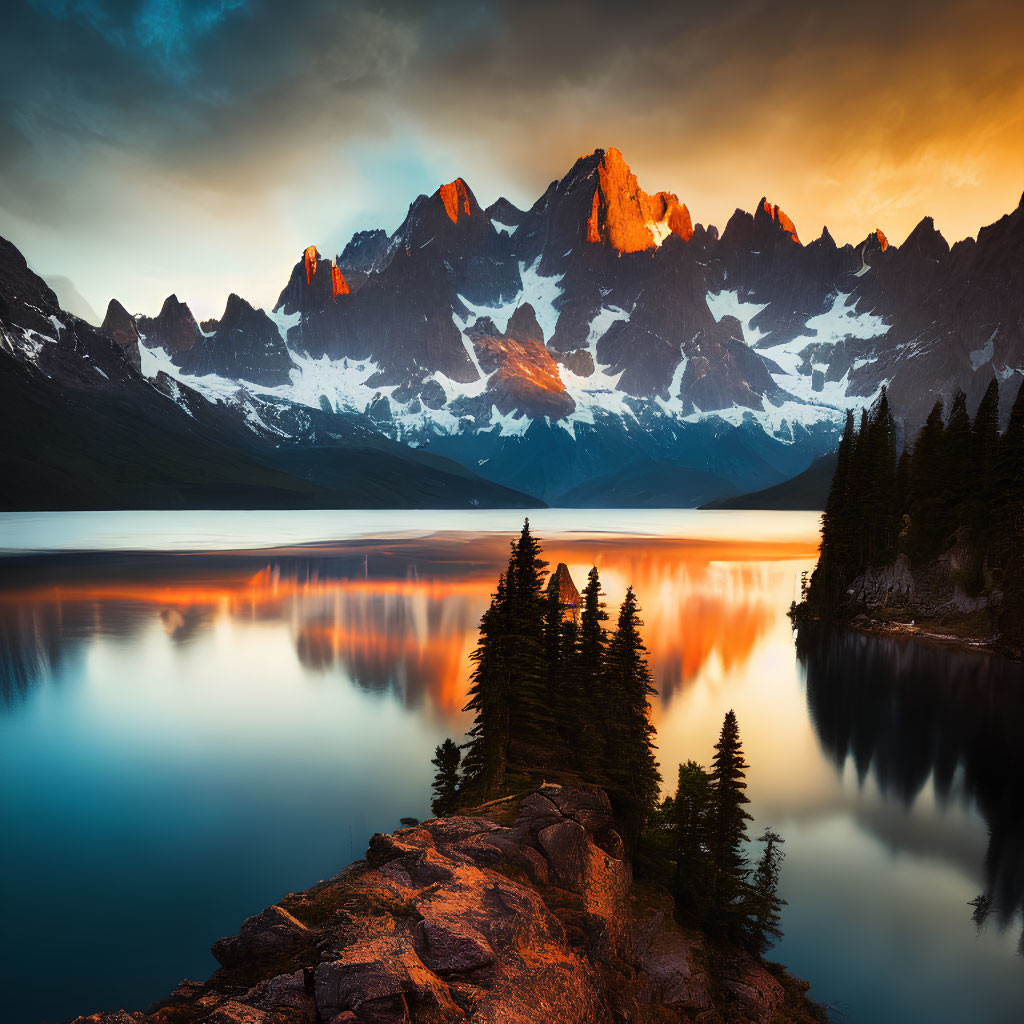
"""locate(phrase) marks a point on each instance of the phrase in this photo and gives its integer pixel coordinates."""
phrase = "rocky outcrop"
(522, 911)
(119, 325)
(931, 591)
(245, 344)
(523, 376)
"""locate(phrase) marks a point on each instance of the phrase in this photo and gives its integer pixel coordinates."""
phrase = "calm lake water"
(202, 711)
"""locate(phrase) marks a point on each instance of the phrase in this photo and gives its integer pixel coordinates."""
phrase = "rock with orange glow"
(505, 914)
(625, 217)
(524, 378)
(310, 258)
(455, 197)
(339, 285)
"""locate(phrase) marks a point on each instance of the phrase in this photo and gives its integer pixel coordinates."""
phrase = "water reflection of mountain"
(906, 712)
(396, 616)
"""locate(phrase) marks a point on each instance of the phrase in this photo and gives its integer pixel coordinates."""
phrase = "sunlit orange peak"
(338, 282)
(310, 256)
(882, 240)
(625, 217)
(455, 196)
(782, 220)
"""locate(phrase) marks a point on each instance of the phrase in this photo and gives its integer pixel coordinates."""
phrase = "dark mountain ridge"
(601, 332)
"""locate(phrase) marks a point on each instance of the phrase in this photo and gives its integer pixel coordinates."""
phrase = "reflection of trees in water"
(414, 645)
(905, 711)
(37, 638)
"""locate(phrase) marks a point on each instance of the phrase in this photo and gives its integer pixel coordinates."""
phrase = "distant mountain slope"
(560, 349)
(646, 484)
(806, 491)
(603, 328)
(83, 428)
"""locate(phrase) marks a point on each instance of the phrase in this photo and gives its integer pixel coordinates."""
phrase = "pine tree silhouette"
(446, 779)
(630, 767)
(764, 912)
(729, 827)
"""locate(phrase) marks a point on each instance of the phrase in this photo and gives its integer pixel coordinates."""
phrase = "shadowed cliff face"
(524, 911)
(906, 713)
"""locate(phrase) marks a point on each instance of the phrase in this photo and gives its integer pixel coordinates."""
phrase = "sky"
(197, 146)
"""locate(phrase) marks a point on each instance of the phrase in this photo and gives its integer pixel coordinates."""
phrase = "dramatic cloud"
(197, 147)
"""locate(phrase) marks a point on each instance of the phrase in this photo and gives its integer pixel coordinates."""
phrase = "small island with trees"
(926, 541)
(555, 883)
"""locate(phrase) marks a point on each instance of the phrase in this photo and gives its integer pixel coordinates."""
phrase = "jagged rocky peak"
(236, 312)
(926, 241)
(505, 213)
(366, 251)
(120, 325)
(561, 583)
(455, 196)
(777, 217)
(825, 239)
(625, 217)
(173, 329)
(523, 325)
(883, 242)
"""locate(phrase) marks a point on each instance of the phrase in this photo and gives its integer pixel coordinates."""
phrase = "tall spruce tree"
(929, 518)
(835, 566)
(692, 811)
(590, 728)
(486, 755)
(958, 478)
(1010, 523)
(728, 834)
(630, 767)
(446, 779)
(764, 911)
(530, 714)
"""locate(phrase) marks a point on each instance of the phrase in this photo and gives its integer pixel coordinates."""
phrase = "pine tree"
(982, 496)
(590, 727)
(487, 749)
(630, 767)
(729, 827)
(446, 779)
(958, 476)
(1010, 523)
(881, 512)
(692, 809)
(929, 519)
(764, 911)
(834, 568)
(530, 715)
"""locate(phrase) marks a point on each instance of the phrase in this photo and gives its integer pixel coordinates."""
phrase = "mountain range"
(599, 348)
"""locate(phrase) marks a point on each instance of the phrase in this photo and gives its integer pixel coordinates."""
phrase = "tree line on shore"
(553, 690)
(960, 481)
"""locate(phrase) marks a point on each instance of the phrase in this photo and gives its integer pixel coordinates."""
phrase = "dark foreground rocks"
(526, 912)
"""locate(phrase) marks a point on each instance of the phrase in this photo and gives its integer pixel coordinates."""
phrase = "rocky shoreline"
(522, 910)
(927, 603)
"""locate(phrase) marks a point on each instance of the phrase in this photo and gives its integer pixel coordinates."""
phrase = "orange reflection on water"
(409, 625)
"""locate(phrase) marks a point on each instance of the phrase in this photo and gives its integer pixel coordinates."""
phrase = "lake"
(200, 712)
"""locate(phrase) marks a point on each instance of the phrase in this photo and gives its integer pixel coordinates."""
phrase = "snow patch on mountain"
(539, 291)
(603, 319)
(285, 321)
(983, 355)
(728, 303)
